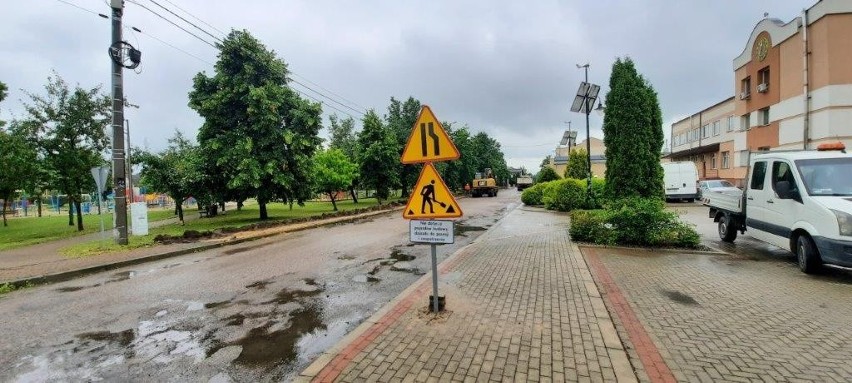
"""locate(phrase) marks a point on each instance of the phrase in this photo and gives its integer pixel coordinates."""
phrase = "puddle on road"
(462, 229)
(680, 297)
(213, 305)
(259, 285)
(286, 296)
(310, 281)
(398, 256)
(365, 279)
(71, 288)
(122, 276)
(406, 267)
(246, 248)
(264, 348)
(124, 338)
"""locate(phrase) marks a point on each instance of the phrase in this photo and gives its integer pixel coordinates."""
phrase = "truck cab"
(802, 201)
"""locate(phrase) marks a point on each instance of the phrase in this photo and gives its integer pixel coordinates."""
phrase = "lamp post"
(583, 103)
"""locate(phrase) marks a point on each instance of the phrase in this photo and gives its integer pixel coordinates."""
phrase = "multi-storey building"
(792, 90)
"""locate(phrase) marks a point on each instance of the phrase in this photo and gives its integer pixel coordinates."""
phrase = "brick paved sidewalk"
(522, 306)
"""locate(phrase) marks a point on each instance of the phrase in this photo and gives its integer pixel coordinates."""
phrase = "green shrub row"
(633, 222)
(564, 195)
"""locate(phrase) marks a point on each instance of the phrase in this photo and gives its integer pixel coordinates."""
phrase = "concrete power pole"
(119, 173)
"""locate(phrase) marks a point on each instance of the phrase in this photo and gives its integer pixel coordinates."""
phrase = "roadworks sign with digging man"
(431, 198)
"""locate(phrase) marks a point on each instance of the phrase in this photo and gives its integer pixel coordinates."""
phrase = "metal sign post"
(432, 232)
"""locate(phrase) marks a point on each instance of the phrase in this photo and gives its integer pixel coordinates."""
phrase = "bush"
(634, 222)
(531, 196)
(591, 226)
(598, 197)
(546, 174)
(565, 195)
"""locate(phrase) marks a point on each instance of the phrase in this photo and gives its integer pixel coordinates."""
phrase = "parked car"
(715, 185)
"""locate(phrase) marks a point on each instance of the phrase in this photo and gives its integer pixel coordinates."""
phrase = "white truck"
(797, 200)
(523, 181)
(681, 180)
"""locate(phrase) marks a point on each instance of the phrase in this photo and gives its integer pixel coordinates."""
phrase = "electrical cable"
(186, 21)
(195, 17)
(173, 23)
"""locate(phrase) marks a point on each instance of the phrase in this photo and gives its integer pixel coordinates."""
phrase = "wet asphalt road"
(258, 311)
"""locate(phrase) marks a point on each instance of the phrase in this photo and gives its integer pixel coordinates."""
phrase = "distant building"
(560, 161)
(792, 90)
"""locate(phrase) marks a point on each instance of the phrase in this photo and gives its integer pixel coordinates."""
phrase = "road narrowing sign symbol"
(428, 141)
(431, 198)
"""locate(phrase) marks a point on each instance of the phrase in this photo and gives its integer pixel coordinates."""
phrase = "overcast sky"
(504, 67)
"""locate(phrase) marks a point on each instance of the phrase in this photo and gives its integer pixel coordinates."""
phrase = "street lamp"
(583, 103)
(600, 109)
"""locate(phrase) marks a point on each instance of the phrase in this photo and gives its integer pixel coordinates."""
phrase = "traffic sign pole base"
(442, 303)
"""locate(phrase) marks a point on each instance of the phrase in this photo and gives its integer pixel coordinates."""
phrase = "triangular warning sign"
(431, 198)
(428, 141)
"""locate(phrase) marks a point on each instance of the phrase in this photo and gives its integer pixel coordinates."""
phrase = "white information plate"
(431, 231)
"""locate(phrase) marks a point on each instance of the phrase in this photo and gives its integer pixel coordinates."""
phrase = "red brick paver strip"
(655, 366)
(522, 306)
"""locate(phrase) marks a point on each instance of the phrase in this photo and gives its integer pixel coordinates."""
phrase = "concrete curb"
(656, 249)
(283, 229)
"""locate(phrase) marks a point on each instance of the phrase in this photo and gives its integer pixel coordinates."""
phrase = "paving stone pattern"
(717, 318)
(519, 311)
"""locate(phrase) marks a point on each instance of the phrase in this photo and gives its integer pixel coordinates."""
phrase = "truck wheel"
(807, 254)
(727, 232)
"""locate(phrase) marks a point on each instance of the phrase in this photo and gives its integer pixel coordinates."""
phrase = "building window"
(763, 116)
(730, 123)
(726, 156)
(745, 122)
(713, 161)
(705, 131)
(763, 76)
(745, 90)
(717, 127)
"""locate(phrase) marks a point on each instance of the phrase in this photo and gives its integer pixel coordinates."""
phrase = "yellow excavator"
(484, 184)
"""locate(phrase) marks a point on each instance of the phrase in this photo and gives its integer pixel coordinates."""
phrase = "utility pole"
(118, 161)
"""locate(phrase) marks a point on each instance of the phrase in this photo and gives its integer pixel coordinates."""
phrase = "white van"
(681, 180)
(800, 200)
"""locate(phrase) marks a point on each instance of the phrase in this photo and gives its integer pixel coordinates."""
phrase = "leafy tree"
(42, 176)
(487, 153)
(545, 162)
(343, 138)
(461, 171)
(578, 163)
(69, 129)
(258, 135)
(3, 93)
(17, 161)
(547, 174)
(400, 120)
(379, 157)
(333, 172)
(633, 135)
(175, 171)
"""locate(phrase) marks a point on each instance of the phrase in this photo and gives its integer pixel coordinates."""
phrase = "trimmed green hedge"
(564, 195)
(633, 222)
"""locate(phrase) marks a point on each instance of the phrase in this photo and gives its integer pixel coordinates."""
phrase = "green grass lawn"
(232, 218)
(32, 230)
